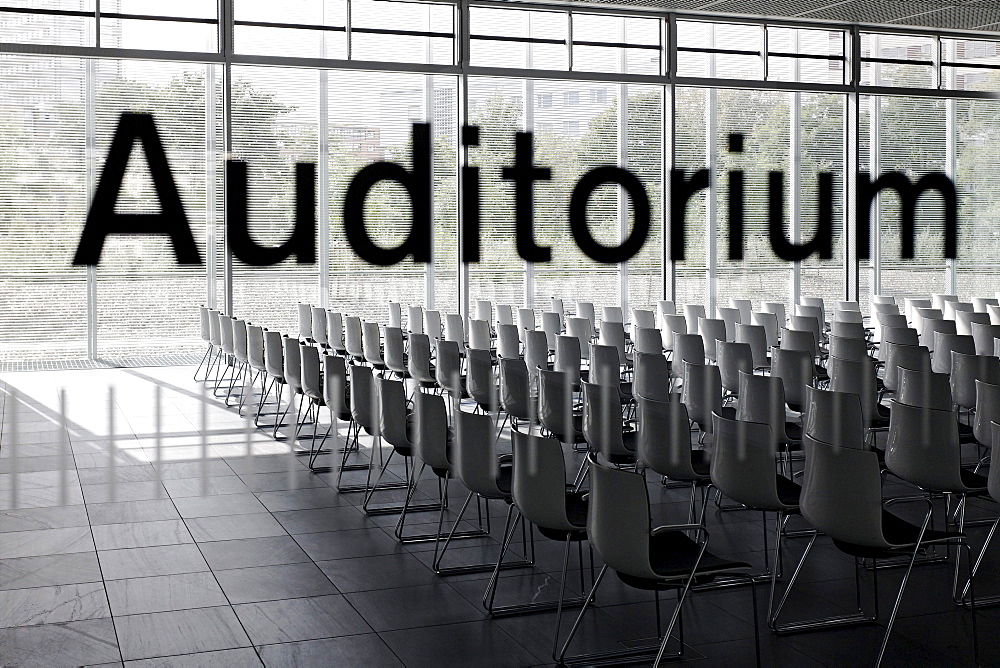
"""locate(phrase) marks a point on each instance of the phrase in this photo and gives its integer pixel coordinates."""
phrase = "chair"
(952, 309)
(911, 304)
(853, 317)
(924, 389)
(505, 314)
(371, 341)
(848, 348)
(568, 359)
(292, 362)
(745, 307)
(665, 447)
(647, 340)
(556, 306)
(805, 323)
(938, 300)
(642, 319)
(454, 329)
(206, 336)
(448, 370)
(336, 397)
(842, 497)
(860, 378)
(353, 339)
(536, 353)
(762, 399)
(994, 312)
(944, 344)
(795, 369)
(652, 377)
(603, 427)
(778, 309)
(255, 359)
(525, 322)
(432, 325)
(395, 315)
(666, 307)
(917, 358)
(618, 526)
(756, 337)
(688, 348)
(226, 354)
(515, 393)
(731, 316)
(319, 324)
(605, 371)
(769, 321)
(586, 310)
(844, 329)
(965, 371)
(611, 314)
(848, 306)
(555, 408)
(552, 327)
(613, 334)
(800, 339)
(983, 334)
(335, 333)
(883, 299)
(305, 320)
(275, 369)
(965, 321)
(894, 320)
(804, 311)
(906, 336)
(484, 311)
(813, 303)
(980, 304)
(414, 320)
(701, 392)
(711, 330)
(479, 335)
(241, 361)
(993, 486)
(418, 361)
(583, 330)
(480, 382)
(312, 391)
(885, 307)
(692, 314)
(733, 358)
(670, 327)
(508, 342)
(932, 328)
(395, 357)
(921, 316)
(834, 417)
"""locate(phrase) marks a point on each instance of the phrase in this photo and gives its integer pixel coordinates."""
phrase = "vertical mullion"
(711, 204)
(852, 163)
(669, 153)
(211, 176)
(622, 139)
(323, 193)
(529, 126)
(226, 44)
(951, 152)
(462, 59)
(90, 131)
(795, 167)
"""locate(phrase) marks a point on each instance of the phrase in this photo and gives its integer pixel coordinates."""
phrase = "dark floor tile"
(323, 519)
(249, 552)
(412, 607)
(234, 527)
(361, 650)
(72, 644)
(179, 632)
(48, 570)
(271, 583)
(386, 571)
(220, 504)
(346, 544)
(480, 643)
(53, 605)
(164, 593)
(278, 481)
(598, 632)
(185, 487)
(302, 499)
(141, 562)
(141, 534)
(860, 646)
(223, 658)
(290, 620)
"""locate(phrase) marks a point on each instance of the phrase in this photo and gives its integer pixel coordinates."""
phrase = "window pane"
(978, 128)
(382, 15)
(971, 64)
(159, 35)
(701, 50)
(51, 29)
(550, 28)
(918, 49)
(296, 42)
(601, 29)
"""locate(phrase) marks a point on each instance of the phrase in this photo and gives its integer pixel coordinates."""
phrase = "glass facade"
(338, 83)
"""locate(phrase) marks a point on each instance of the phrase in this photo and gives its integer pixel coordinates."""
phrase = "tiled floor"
(108, 557)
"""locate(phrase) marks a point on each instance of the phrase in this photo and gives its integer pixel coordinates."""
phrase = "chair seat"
(975, 483)
(965, 433)
(789, 491)
(505, 477)
(793, 432)
(899, 533)
(701, 463)
(576, 513)
(673, 554)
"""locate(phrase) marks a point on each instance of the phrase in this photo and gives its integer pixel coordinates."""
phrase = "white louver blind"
(274, 117)
(690, 155)
(645, 159)
(145, 300)
(978, 127)
(43, 203)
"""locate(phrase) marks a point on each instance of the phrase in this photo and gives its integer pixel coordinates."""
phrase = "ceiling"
(962, 15)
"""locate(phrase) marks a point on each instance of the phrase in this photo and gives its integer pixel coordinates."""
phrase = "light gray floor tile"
(223, 658)
(124, 491)
(141, 534)
(164, 593)
(249, 552)
(41, 497)
(72, 644)
(59, 517)
(52, 605)
(132, 511)
(234, 527)
(222, 504)
(143, 562)
(45, 541)
(49, 570)
(179, 632)
(184, 487)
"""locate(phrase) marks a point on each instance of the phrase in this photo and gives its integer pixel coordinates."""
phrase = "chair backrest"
(430, 430)
(670, 326)
(484, 310)
(851, 317)
(551, 326)
(711, 330)
(538, 485)
(618, 520)
(395, 315)
(505, 314)
(743, 463)
(515, 392)
(395, 358)
(800, 339)
(804, 323)
(352, 336)
(364, 397)
(917, 358)
(226, 334)
(920, 316)
(778, 309)
(883, 299)
(312, 385)
(952, 309)
(418, 362)
(305, 321)
(611, 314)
(371, 340)
(938, 300)
(912, 303)
(556, 306)
(335, 389)
(414, 320)
(613, 334)
(475, 457)
(689, 348)
(292, 364)
(255, 347)
(769, 321)
(568, 358)
(651, 377)
(392, 422)
(885, 320)
(733, 358)
(432, 324)
(508, 342)
(813, 303)
(924, 389)
(745, 307)
(454, 328)
(987, 412)
(965, 321)
(536, 352)
(701, 392)
(983, 334)
(810, 311)
(583, 330)
(980, 303)
(664, 440)
(796, 370)
(888, 308)
(240, 340)
(994, 312)
(923, 447)
(730, 316)
(479, 335)
(906, 336)
(273, 354)
(602, 421)
(692, 314)
(642, 319)
(480, 381)
(853, 330)
(586, 310)
(525, 321)
(448, 370)
(842, 493)
(966, 370)
(856, 377)
(848, 348)
(756, 337)
(848, 306)
(647, 340)
(944, 344)
(834, 417)
(666, 307)
(555, 405)
(762, 399)
(335, 331)
(206, 328)
(605, 368)
(934, 327)
(319, 326)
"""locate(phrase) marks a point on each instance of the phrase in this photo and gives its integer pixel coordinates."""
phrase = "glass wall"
(338, 83)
